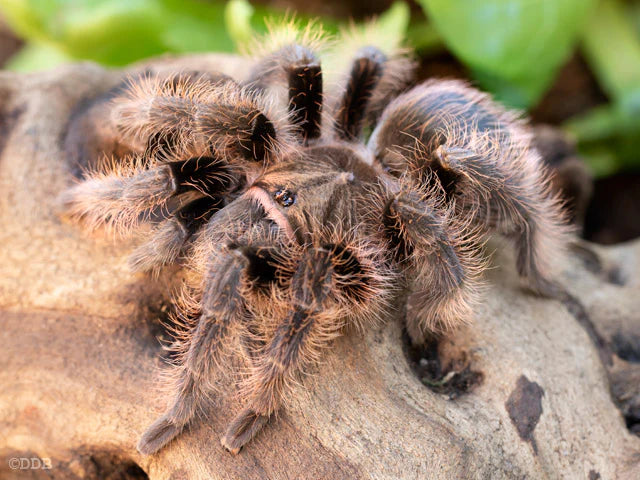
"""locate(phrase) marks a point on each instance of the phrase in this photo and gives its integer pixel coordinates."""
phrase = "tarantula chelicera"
(295, 227)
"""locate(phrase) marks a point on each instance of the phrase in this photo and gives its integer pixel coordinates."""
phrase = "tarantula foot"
(161, 432)
(548, 289)
(242, 429)
(232, 451)
(442, 155)
(453, 158)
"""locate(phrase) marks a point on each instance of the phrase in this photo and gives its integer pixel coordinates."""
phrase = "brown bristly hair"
(292, 230)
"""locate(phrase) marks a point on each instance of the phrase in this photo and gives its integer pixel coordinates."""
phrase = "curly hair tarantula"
(294, 228)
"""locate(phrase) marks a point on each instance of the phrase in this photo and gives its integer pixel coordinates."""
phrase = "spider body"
(296, 229)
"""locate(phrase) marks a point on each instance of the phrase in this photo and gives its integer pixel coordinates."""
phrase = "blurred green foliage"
(513, 48)
(609, 135)
(116, 32)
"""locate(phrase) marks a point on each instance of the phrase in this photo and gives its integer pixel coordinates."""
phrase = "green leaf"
(386, 32)
(195, 26)
(36, 57)
(513, 47)
(608, 138)
(609, 135)
(612, 48)
(391, 27)
(237, 18)
(424, 38)
(116, 32)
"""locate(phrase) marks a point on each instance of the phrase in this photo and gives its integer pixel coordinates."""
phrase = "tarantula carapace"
(297, 228)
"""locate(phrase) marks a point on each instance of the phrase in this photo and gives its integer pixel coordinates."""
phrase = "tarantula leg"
(164, 143)
(223, 116)
(448, 135)
(159, 147)
(163, 86)
(530, 217)
(397, 77)
(246, 425)
(443, 269)
(301, 70)
(305, 99)
(223, 309)
(168, 240)
(366, 72)
(450, 166)
(120, 198)
(538, 236)
(322, 280)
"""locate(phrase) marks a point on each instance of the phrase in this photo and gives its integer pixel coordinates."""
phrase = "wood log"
(534, 388)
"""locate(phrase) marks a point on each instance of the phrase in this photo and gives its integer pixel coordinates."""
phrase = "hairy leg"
(437, 257)
(449, 136)
(325, 286)
(170, 237)
(366, 72)
(119, 198)
(297, 67)
(223, 311)
(223, 117)
(541, 237)
(374, 79)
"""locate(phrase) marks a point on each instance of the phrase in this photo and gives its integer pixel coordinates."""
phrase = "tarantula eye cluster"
(297, 226)
(284, 197)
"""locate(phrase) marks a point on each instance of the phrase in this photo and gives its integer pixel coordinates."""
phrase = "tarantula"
(296, 228)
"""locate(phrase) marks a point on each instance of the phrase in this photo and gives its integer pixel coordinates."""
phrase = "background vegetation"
(512, 48)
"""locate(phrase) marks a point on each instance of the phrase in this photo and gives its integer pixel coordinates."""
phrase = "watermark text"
(29, 463)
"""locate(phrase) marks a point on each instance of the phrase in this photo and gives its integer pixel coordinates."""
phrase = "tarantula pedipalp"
(294, 227)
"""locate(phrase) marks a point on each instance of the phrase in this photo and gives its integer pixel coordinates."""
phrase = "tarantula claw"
(234, 451)
(161, 432)
(548, 289)
(451, 157)
(242, 429)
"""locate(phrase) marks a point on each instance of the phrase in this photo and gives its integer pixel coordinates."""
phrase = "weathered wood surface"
(80, 351)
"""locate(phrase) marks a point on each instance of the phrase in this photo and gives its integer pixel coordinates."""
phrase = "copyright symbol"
(14, 463)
